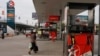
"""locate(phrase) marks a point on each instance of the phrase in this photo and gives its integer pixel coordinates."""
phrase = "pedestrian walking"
(33, 44)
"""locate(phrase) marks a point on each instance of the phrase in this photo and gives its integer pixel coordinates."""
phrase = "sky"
(23, 9)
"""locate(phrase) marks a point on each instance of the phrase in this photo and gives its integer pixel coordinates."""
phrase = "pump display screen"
(78, 29)
(79, 23)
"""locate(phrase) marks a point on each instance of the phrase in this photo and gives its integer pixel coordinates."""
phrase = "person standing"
(1, 34)
(33, 47)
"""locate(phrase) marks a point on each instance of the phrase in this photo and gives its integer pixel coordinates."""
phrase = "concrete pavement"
(18, 46)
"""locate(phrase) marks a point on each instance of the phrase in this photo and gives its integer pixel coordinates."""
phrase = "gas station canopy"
(45, 8)
(81, 5)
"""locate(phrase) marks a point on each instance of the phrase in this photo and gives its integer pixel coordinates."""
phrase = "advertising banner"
(34, 15)
(11, 14)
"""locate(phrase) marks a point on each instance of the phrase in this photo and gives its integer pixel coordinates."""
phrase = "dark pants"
(34, 46)
(3, 36)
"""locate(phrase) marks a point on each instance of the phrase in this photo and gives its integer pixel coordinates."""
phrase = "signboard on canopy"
(54, 18)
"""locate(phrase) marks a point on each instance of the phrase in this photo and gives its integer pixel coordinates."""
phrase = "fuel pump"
(79, 30)
(52, 22)
(53, 30)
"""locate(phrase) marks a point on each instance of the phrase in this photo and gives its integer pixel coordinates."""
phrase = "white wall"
(10, 30)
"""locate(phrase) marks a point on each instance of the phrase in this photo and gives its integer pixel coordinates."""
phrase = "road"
(18, 46)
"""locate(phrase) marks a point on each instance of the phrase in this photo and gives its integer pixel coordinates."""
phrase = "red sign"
(54, 18)
(11, 3)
